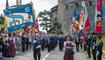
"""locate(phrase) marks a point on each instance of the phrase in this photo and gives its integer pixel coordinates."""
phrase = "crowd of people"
(49, 43)
(10, 43)
(91, 45)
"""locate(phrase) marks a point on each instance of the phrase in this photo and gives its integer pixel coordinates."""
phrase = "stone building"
(65, 12)
(18, 2)
(54, 17)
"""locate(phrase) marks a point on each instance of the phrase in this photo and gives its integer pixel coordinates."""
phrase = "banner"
(98, 17)
(71, 23)
(75, 22)
(84, 18)
(103, 12)
(37, 25)
(19, 16)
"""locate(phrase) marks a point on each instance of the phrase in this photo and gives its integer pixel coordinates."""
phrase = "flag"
(98, 25)
(32, 29)
(75, 22)
(71, 23)
(81, 18)
(84, 18)
(19, 16)
(37, 24)
(102, 11)
(7, 5)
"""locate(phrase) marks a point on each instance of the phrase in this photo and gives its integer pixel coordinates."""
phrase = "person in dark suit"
(85, 45)
(27, 42)
(89, 46)
(94, 46)
(61, 42)
(43, 43)
(48, 44)
(23, 42)
(99, 48)
(36, 49)
(77, 44)
(1, 44)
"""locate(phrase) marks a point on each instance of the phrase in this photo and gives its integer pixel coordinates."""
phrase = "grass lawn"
(103, 38)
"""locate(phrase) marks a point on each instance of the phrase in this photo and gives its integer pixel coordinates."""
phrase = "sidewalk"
(57, 55)
(81, 56)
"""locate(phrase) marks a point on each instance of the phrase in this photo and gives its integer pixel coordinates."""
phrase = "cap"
(99, 37)
(94, 33)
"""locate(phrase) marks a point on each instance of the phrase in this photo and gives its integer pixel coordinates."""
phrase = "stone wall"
(65, 12)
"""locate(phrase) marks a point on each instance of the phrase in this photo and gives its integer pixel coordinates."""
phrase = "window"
(76, 4)
(90, 3)
(66, 6)
(66, 2)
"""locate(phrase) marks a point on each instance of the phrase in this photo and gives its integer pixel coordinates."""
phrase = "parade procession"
(52, 29)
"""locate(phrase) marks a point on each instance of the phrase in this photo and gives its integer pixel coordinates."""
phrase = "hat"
(94, 33)
(99, 37)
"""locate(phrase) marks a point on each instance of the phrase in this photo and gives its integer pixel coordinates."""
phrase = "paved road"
(55, 55)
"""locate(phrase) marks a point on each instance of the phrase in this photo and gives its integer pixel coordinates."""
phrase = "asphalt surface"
(54, 55)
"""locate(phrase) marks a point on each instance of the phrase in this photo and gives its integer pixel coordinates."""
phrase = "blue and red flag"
(75, 21)
(102, 11)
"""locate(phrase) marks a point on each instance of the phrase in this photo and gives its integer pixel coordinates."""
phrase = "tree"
(45, 19)
(57, 29)
(2, 18)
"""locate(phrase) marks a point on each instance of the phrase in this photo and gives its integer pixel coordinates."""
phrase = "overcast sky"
(39, 5)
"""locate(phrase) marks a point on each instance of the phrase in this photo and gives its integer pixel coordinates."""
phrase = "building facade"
(54, 16)
(65, 12)
(18, 2)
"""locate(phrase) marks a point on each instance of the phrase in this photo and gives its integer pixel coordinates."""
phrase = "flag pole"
(34, 16)
(34, 24)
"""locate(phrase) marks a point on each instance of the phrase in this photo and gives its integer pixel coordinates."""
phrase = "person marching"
(68, 44)
(27, 42)
(61, 43)
(94, 46)
(23, 43)
(77, 44)
(99, 48)
(1, 44)
(48, 44)
(85, 45)
(36, 49)
(89, 46)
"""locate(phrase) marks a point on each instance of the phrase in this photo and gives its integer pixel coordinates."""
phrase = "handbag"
(72, 52)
